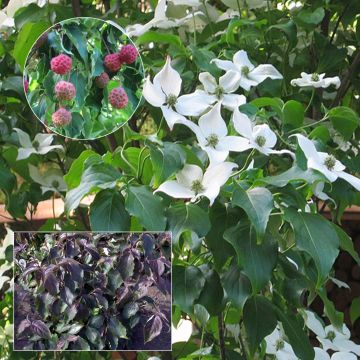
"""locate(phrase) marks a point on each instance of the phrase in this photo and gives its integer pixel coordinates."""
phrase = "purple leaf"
(24, 324)
(152, 328)
(39, 328)
(126, 265)
(51, 283)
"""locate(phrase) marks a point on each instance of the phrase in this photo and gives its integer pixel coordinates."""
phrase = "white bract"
(40, 145)
(192, 183)
(160, 20)
(196, 103)
(321, 354)
(315, 80)
(259, 137)
(52, 180)
(193, 3)
(212, 136)
(276, 345)
(182, 332)
(325, 163)
(329, 337)
(249, 74)
(164, 91)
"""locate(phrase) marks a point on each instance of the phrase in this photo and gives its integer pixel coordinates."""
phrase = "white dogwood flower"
(315, 80)
(330, 337)
(192, 3)
(212, 136)
(196, 103)
(192, 183)
(321, 354)
(160, 20)
(259, 137)
(40, 145)
(276, 345)
(325, 163)
(51, 180)
(249, 74)
(164, 91)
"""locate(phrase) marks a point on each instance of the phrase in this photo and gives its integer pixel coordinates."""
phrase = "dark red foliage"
(83, 291)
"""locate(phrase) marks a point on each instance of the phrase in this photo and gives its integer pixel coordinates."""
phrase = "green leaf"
(257, 261)
(80, 82)
(259, 320)
(293, 327)
(188, 283)
(147, 207)
(346, 243)
(157, 37)
(276, 103)
(257, 203)
(92, 335)
(294, 174)
(166, 161)
(107, 212)
(78, 39)
(202, 59)
(25, 40)
(13, 85)
(336, 317)
(236, 285)
(293, 113)
(7, 178)
(95, 177)
(355, 310)
(212, 294)
(309, 18)
(288, 29)
(344, 120)
(73, 177)
(316, 236)
(182, 217)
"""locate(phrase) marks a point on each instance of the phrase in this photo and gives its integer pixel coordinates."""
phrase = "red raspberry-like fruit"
(61, 117)
(64, 90)
(26, 85)
(61, 64)
(128, 54)
(112, 62)
(102, 80)
(118, 98)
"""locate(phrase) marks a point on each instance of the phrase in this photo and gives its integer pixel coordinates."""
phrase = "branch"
(76, 7)
(221, 337)
(345, 84)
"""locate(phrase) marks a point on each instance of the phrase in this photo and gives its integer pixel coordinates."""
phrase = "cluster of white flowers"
(211, 130)
(212, 133)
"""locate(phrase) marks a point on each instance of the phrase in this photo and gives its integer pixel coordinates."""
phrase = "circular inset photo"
(83, 78)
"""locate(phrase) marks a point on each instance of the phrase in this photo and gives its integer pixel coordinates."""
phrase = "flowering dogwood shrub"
(84, 291)
(247, 129)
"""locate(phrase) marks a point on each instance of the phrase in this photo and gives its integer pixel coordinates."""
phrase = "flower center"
(171, 100)
(55, 184)
(219, 91)
(35, 144)
(330, 162)
(212, 140)
(315, 77)
(279, 344)
(330, 335)
(260, 140)
(245, 70)
(197, 187)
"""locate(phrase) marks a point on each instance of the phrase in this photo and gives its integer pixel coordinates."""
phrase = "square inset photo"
(92, 291)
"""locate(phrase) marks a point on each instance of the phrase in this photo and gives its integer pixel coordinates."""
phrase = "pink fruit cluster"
(61, 64)
(102, 80)
(61, 117)
(118, 98)
(64, 90)
(127, 55)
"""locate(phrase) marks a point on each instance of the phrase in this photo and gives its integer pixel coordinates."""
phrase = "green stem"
(238, 4)
(193, 16)
(142, 166)
(247, 162)
(311, 100)
(208, 17)
(309, 125)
